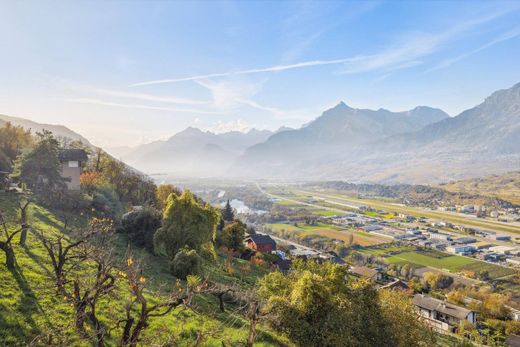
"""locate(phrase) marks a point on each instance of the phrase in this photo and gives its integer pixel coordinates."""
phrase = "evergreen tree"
(227, 212)
(186, 223)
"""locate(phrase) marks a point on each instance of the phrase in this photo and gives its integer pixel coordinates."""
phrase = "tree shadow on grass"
(37, 259)
(28, 303)
(46, 220)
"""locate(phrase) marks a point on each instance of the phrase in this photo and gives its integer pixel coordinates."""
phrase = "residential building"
(261, 243)
(396, 285)
(367, 272)
(71, 163)
(442, 315)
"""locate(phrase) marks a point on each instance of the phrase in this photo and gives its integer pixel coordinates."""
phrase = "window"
(73, 164)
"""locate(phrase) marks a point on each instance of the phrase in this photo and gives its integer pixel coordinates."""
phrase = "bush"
(186, 262)
(232, 236)
(106, 201)
(140, 226)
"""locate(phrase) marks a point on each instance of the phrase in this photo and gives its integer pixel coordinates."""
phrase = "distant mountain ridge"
(338, 129)
(416, 146)
(194, 152)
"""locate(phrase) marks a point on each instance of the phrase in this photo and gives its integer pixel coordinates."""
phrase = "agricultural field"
(437, 260)
(452, 263)
(335, 199)
(330, 231)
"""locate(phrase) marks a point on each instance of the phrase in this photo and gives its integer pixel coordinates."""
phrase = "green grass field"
(442, 261)
(29, 306)
(451, 263)
(326, 213)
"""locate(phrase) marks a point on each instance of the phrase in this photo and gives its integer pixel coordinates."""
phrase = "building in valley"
(442, 315)
(261, 243)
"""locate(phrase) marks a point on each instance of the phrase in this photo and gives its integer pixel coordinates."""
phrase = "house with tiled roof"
(442, 315)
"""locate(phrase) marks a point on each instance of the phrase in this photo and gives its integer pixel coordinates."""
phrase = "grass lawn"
(364, 234)
(451, 263)
(384, 249)
(285, 202)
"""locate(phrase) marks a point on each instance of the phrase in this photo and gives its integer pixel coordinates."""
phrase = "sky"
(123, 73)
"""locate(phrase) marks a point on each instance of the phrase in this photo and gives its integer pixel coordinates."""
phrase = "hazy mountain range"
(193, 152)
(422, 145)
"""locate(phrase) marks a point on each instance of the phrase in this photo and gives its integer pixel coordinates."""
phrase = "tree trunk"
(100, 332)
(221, 302)
(10, 259)
(23, 223)
(126, 331)
(137, 331)
(253, 319)
(23, 235)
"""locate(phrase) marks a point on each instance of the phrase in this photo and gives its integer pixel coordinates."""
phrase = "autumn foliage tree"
(13, 140)
(317, 305)
(162, 193)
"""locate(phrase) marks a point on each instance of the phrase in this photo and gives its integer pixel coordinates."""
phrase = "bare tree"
(87, 292)
(179, 296)
(6, 243)
(220, 291)
(66, 254)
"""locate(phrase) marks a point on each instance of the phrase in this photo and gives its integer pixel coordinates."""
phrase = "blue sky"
(128, 72)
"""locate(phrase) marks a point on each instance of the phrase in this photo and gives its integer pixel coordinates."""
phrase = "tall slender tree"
(227, 212)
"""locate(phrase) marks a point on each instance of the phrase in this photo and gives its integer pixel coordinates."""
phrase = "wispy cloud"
(503, 37)
(229, 95)
(398, 55)
(139, 106)
(311, 20)
(275, 68)
(410, 50)
(148, 97)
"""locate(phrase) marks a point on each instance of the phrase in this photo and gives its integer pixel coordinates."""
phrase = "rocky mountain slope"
(419, 146)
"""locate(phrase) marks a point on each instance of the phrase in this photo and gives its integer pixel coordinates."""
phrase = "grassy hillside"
(505, 186)
(30, 308)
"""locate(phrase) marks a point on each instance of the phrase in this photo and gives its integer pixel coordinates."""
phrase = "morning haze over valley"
(260, 173)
